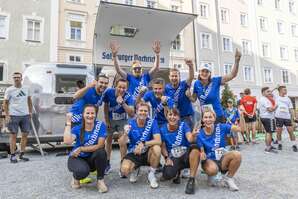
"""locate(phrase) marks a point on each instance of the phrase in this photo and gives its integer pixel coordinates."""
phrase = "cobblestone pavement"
(261, 175)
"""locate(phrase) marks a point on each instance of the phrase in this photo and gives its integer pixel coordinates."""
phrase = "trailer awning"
(135, 29)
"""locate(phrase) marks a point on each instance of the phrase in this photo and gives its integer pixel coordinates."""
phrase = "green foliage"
(227, 94)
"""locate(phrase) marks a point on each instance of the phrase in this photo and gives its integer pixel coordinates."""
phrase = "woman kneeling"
(144, 146)
(214, 156)
(177, 150)
(88, 153)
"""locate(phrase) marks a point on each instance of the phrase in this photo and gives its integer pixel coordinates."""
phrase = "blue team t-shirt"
(135, 83)
(231, 116)
(182, 102)
(175, 138)
(210, 94)
(215, 140)
(90, 138)
(90, 97)
(139, 134)
(116, 111)
(158, 109)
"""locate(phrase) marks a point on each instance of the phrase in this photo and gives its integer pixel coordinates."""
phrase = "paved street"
(260, 176)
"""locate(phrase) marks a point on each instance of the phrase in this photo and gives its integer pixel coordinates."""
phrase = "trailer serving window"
(69, 83)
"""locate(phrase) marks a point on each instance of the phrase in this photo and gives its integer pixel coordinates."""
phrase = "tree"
(227, 94)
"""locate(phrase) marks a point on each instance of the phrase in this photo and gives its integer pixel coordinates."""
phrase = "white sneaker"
(134, 175)
(230, 183)
(152, 180)
(101, 186)
(185, 173)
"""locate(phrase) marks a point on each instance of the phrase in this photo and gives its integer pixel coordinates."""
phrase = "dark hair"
(142, 104)
(264, 89)
(17, 73)
(121, 80)
(80, 84)
(281, 87)
(102, 75)
(174, 70)
(247, 91)
(209, 78)
(82, 131)
(158, 81)
(175, 111)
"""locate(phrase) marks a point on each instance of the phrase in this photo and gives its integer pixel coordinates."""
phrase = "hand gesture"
(203, 156)
(156, 47)
(188, 93)
(119, 100)
(189, 63)
(76, 152)
(127, 128)
(143, 90)
(114, 48)
(237, 54)
(68, 118)
(164, 99)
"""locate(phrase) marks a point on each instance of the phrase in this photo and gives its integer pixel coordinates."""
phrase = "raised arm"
(235, 68)
(81, 92)
(114, 49)
(68, 138)
(191, 74)
(156, 49)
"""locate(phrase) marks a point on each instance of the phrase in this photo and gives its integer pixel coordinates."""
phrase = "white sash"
(177, 150)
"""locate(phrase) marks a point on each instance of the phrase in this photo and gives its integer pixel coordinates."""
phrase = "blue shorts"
(19, 121)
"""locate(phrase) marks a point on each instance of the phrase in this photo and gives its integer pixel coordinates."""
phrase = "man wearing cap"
(232, 117)
(138, 78)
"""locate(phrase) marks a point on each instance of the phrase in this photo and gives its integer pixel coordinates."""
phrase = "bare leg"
(13, 143)
(24, 141)
(154, 156)
(194, 162)
(109, 140)
(231, 162)
(123, 139)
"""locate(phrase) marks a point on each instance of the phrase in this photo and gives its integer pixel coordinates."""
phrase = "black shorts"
(269, 125)
(218, 163)
(183, 161)
(250, 119)
(22, 122)
(280, 122)
(138, 160)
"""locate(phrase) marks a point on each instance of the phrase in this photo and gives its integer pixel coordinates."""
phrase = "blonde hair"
(208, 110)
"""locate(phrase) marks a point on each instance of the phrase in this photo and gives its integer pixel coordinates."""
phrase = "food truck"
(134, 28)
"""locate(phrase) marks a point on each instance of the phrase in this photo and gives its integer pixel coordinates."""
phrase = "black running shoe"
(23, 158)
(190, 186)
(279, 147)
(294, 147)
(13, 159)
(177, 179)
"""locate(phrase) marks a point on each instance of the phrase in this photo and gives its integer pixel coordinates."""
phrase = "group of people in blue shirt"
(152, 123)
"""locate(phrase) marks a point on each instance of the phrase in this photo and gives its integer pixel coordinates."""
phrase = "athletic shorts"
(138, 160)
(116, 126)
(250, 119)
(269, 125)
(218, 163)
(183, 161)
(19, 121)
(280, 122)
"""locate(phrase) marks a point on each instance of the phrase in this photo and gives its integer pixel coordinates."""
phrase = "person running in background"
(144, 145)
(211, 140)
(249, 104)
(88, 153)
(177, 88)
(267, 107)
(178, 151)
(284, 116)
(118, 106)
(207, 88)
(232, 118)
(138, 78)
(90, 94)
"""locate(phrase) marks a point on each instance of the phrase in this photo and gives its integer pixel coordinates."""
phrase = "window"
(74, 59)
(227, 44)
(76, 30)
(248, 73)
(227, 68)
(33, 30)
(1, 71)
(294, 30)
(292, 6)
(260, 2)
(206, 40)
(175, 8)
(265, 49)
(285, 76)
(283, 52)
(296, 54)
(151, 4)
(3, 27)
(263, 23)
(268, 75)
(178, 66)
(246, 47)
(280, 27)
(75, 1)
(176, 44)
(224, 13)
(204, 10)
(128, 2)
(277, 4)
(243, 19)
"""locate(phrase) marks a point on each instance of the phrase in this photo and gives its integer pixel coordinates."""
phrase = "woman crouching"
(214, 156)
(177, 150)
(88, 152)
